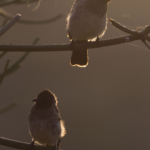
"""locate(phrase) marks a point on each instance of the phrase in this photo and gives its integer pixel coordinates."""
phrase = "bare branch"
(5, 70)
(24, 20)
(122, 27)
(9, 24)
(10, 106)
(8, 2)
(16, 65)
(143, 35)
(2, 54)
(20, 145)
(67, 47)
(118, 25)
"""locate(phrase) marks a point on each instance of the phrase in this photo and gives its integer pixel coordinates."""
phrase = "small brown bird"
(45, 124)
(87, 21)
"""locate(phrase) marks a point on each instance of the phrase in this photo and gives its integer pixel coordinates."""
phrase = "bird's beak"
(35, 100)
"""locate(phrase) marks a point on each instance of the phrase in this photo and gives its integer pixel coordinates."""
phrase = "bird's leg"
(53, 147)
(31, 147)
(59, 143)
(97, 39)
(144, 41)
(72, 44)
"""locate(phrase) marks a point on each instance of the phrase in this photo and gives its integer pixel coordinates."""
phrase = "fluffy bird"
(45, 124)
(87, 21)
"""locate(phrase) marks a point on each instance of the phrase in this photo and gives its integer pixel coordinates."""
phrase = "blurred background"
(106, 105)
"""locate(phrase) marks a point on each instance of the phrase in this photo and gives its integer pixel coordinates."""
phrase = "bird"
(87, 21)
(45, 124)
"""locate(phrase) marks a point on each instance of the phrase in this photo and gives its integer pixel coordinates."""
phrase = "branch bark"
(68, 47)
(20, 145)
(9, 24)
(143, 36)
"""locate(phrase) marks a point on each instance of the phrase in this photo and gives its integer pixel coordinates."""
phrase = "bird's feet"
(31, 147)
(52, 147)
(72, 44)
(144, 41)
(97, 40)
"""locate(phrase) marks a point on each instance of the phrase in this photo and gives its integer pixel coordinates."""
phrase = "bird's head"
(45, 99)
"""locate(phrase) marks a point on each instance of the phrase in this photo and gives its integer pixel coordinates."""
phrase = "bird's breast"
(87, 26)
(45, 131)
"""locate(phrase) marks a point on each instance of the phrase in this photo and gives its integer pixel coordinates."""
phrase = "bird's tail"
(79, 58)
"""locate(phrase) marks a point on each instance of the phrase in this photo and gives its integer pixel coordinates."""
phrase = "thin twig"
(10, 24)
(2, 54)
(16, 65)
(30, 21)
(5, 3)
(5, 70)
(122, 27)
(10, 106)
(20, 145)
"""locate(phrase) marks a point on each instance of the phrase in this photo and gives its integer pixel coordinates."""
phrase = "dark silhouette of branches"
(143, 34)
(7, 15)
(9, 2)
(31, 21)
(4, 72)
(20, 145)
(9, 70)
(136, 35)
(16, 65)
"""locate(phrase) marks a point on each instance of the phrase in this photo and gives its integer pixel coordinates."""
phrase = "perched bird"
(45, 124)
(87, 21)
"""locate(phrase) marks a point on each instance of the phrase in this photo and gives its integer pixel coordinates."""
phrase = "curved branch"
(10, 16)
(143, 35)
(68, 47)
(122, 27)
(20, 145)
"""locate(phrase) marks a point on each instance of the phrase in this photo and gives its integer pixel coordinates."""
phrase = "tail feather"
(79, 58)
